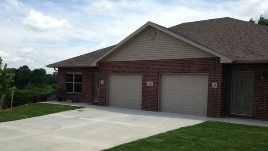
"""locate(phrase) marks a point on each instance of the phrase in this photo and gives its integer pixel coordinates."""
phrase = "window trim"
(73, 73)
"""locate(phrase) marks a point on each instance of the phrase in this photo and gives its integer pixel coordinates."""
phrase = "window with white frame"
(74, 82)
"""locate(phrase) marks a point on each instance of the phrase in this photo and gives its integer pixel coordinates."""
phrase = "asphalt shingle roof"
(239, 40)
(83, 60)
(236, 39)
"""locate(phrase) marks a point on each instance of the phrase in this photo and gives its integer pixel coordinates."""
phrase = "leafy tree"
(52, 78)
(6, 77)
(33, 86)
(38, 77)
(22, 76)
(262, 21)
(252, 21)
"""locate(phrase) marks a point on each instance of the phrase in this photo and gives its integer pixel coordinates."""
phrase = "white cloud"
(29, 61)
(14, 59)
(253, 8)
(104, 6)
(39, 22)
(4, 54)
(102, 45)
(27, 50)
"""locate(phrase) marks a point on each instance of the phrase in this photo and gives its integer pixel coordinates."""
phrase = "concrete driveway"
(89, 129)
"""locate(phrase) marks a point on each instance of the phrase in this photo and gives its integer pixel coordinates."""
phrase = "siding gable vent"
(151, 33)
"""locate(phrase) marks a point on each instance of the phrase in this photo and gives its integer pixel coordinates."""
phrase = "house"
(214, 68)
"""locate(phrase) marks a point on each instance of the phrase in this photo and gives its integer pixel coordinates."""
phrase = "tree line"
(25, 76)
(23, 85)
(262, 21)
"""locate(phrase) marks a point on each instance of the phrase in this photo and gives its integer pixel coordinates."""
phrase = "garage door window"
(74, 82)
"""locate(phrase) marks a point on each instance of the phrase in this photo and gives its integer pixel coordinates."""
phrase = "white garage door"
(125, 91)
(186, 94)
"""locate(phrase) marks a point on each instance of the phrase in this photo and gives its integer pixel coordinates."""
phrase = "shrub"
(31, 94)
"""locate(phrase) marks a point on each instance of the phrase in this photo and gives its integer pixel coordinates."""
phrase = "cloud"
(39, 22)
(29, 61)
(104, 6)
(3, 54)
(102, 45)
(253, 8)
(27, 50)
(14, 59)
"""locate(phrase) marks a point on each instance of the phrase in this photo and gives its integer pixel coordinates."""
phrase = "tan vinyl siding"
(163, 46)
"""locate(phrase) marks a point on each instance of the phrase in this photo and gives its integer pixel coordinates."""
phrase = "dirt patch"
(2, 111)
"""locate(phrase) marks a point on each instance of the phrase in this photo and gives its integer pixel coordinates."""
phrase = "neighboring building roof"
(239, 40)
(81, 61)
(230, 39)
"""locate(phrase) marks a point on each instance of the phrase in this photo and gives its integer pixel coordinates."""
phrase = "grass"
(207, 136)
(33, 110)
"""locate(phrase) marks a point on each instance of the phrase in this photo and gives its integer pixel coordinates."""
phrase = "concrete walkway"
(224, 119)
(93, 128)
(89, 129)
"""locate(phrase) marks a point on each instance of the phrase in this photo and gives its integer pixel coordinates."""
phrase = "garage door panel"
(177, 79)
(125, 91)
(133, 95)
(171, 107)
(167, 87)
(178, 88)
(188, 89)
(200, 89)
(184, 93)
(188, 100)
(188, 79)
(202, 80)
(200, 99)
(187, 109)
(167, 79)
(177, 97)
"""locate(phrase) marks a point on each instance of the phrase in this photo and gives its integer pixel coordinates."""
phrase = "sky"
(40, 32)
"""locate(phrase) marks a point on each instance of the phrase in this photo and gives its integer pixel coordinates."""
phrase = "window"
(74, 82)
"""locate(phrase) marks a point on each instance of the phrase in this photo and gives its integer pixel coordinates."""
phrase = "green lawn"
(32, 110)
(207, 136)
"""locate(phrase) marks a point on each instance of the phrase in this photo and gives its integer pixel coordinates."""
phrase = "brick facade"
(260, 88)
(219, 99)
(151, 69)
(87, 73)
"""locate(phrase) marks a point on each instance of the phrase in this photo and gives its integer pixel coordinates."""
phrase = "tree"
(262, 21)
(22, 76)
(38, 77)
(252, 21)
(6, 77)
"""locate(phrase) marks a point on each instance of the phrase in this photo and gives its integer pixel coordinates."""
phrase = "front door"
(242, 93)
(95, 91)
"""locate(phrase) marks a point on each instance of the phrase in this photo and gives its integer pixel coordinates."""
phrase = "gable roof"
(224, 59)
(230, 39)
(239, 40)
(81, 61)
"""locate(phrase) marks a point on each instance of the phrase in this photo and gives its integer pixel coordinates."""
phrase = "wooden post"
(12, 94)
